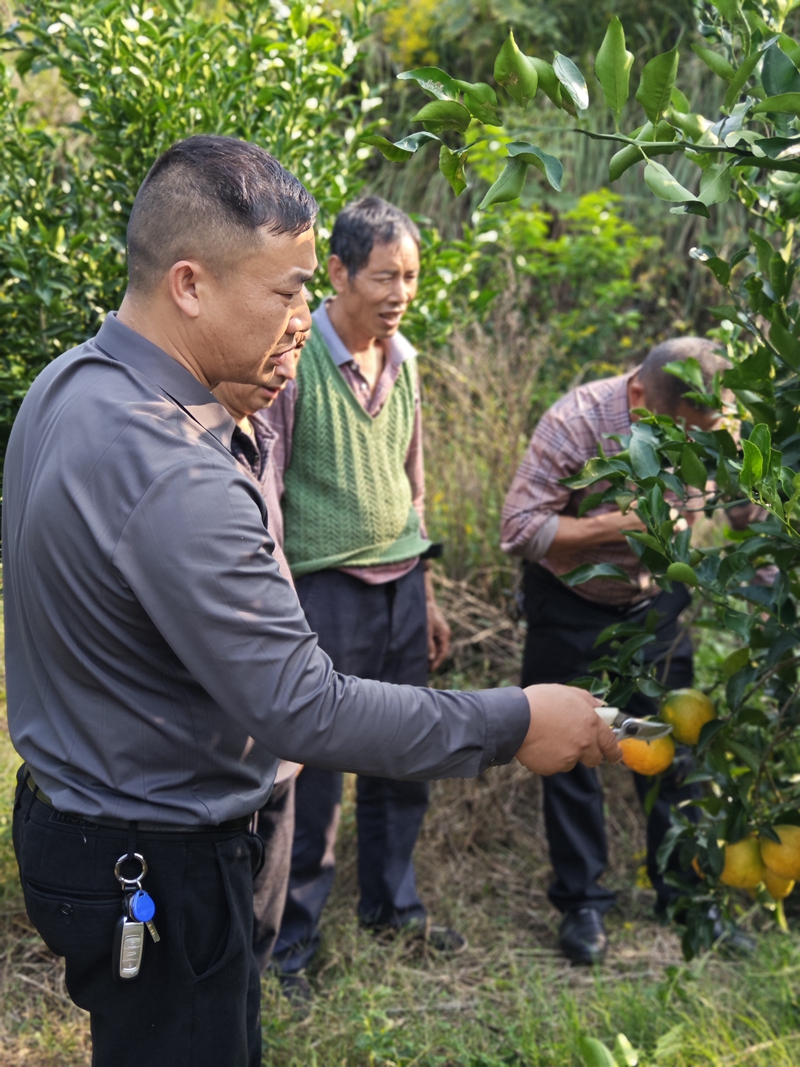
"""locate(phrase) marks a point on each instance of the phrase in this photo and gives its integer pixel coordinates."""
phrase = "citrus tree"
(130, 81)
(744, 830)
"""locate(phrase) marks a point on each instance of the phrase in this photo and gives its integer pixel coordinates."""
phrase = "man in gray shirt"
(158, 664)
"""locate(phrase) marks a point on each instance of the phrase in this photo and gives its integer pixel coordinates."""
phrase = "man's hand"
(438, 630)
(438, 636)
(575, 535)
(565, 730)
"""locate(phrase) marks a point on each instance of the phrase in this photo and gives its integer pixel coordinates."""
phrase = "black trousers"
(275, 827)
(372, 631)
(562, 630)
(196, 1000)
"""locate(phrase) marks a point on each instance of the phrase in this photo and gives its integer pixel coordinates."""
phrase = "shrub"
(136, 81)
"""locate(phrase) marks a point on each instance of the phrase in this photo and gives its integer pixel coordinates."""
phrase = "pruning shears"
(625, 726)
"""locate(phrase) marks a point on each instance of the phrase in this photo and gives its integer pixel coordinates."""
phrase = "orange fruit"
(783, 859)
(743, 864)
(777, 887)
(697, 869)
(647, 757)
(687, 711)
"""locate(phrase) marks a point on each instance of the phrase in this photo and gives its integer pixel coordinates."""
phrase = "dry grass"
(482, 867)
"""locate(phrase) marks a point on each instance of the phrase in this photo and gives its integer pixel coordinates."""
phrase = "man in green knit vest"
(356, 541)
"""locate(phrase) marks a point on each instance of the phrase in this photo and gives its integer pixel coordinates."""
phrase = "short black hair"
(206, 197)
(365, 223)
(666, 392)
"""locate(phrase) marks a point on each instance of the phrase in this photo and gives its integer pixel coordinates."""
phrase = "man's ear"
(338, 274)
(183, 280)
(636, 394)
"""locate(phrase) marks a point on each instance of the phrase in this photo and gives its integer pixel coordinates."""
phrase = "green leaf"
(753, 467)
(761, 437)
(548, 165)
(547, 79)
(735, 662)
(623, 160)
(655, 86)
(515, 72)
(441, 115)
(433, 81)
(595, 470)
(663, 185)
(451, 164)
(680, 101)
(714, 61)
(644, 458)
(298, 20)
(399, 151)
(572, 80)
(785, 104)
(624, 1052)
(692, 469)
(731, 10)
(480, 100)
(778, 74)
(786, 344)
(691, 207)
(715, 184)
(613, 66)
(740, 77)
(594, 1053)
(508, 186)
(587, 571)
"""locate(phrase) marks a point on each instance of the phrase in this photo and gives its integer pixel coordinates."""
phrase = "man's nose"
(300, 321)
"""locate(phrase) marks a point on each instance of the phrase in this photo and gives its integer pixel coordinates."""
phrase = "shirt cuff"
(539, 544)
(508, 719)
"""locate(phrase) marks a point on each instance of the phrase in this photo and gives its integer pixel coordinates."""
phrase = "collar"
(122, 343)
(399, 349)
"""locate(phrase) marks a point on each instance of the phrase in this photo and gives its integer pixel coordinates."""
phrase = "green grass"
(510, 999)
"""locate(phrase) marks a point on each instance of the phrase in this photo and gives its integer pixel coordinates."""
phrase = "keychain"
(138, 910)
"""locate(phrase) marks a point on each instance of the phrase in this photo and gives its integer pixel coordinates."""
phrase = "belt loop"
(133, 828)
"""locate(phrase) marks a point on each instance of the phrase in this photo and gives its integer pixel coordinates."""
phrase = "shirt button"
(67, 909)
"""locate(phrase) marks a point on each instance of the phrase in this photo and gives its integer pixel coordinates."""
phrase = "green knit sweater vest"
(347, 498)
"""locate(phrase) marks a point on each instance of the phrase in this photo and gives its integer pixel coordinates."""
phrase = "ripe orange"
(783, 859)
(777, 887)
(743, 864)
(687, 711)
(647, 757)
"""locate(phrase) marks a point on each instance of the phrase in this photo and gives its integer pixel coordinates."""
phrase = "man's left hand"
(438, 636)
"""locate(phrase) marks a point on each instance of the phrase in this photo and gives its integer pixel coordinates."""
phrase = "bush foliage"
(133, 81)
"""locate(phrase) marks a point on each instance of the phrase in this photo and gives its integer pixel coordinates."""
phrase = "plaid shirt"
(567, 436)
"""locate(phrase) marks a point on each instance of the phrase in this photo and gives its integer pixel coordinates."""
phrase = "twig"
(762, 1046)
(43, 988)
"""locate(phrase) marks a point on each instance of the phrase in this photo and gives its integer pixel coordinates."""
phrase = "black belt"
(145, 827)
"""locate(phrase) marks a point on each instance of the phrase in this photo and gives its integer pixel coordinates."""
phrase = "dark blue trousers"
(562, 630)
(371, 631)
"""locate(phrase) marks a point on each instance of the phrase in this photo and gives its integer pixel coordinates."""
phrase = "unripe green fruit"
(681, 572)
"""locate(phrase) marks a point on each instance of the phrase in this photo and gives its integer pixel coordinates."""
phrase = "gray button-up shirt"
(149, 631)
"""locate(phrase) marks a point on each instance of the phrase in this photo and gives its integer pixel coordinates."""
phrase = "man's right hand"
(565, 730)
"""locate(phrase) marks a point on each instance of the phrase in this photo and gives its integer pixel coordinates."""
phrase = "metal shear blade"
(626, 726)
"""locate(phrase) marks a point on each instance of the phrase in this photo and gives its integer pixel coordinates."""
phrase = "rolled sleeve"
(536, 495)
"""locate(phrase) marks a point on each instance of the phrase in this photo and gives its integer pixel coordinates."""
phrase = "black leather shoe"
(582, 936)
